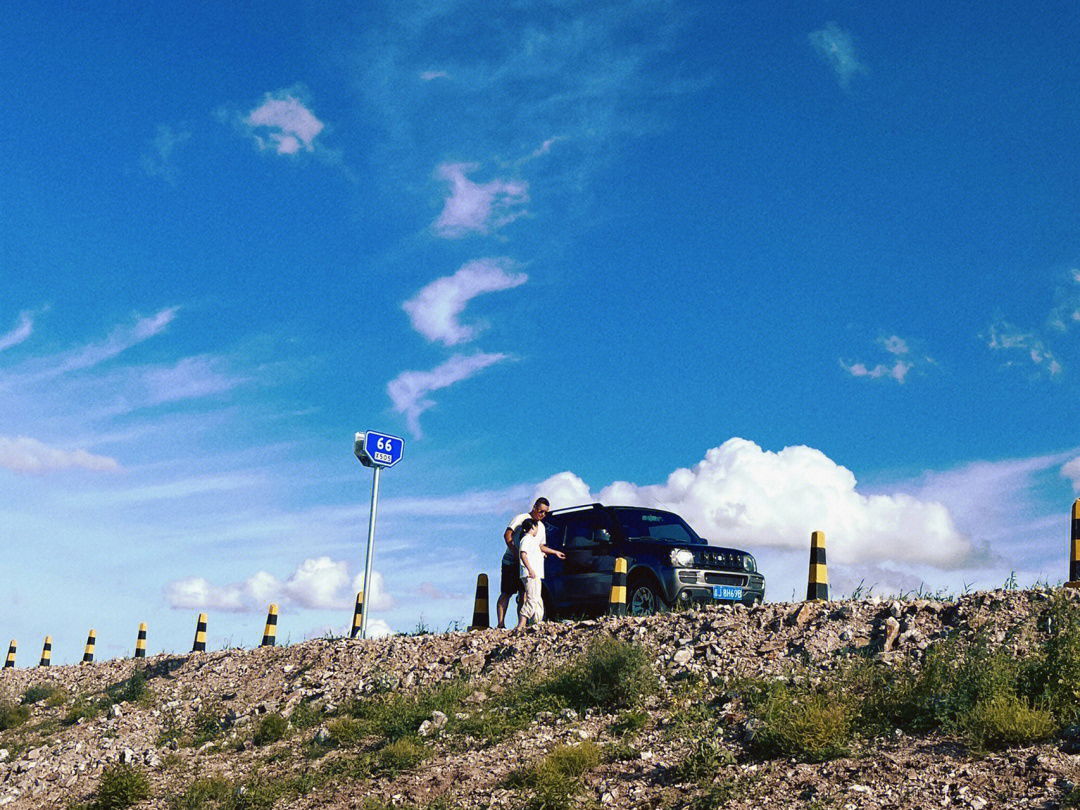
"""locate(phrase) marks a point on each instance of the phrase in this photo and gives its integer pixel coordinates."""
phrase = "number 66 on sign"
(378, 449)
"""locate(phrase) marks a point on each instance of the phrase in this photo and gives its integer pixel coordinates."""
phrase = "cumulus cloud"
(21, 332)
(376, 597)
(1071, 470)
(318, 583)
(478, 207)
(409, 391)
(740, 494)
(189, 378)
(435, 309)
(25, 455)
(283, 123)
(837, 48)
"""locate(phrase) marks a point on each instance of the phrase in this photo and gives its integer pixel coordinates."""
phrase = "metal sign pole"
(368, 590)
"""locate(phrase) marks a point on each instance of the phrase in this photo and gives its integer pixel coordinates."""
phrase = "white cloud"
(435, 309)
(1003, 336)
(190, 378)
(428, 75)
(742, 495)
(410, 389)
(288, 126)
(837, 47)
(25, 455)
(479, 207)
(897, 371)
(1071, 470)
(20, 333)
(121, 339)
(895, 345)
(156, 158)
(318, 583)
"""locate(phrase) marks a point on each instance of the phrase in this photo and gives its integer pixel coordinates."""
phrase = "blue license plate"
(727, 593)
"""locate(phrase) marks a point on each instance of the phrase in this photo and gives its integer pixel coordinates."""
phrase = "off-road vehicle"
(668, 564)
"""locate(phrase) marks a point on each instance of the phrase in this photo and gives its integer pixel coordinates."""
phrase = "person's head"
(540, 509)
(528, 526)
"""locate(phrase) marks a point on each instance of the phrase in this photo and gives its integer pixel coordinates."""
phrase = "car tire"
(643, 599)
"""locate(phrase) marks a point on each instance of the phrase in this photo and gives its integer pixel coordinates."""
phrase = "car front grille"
(724, 579)
(715, 558)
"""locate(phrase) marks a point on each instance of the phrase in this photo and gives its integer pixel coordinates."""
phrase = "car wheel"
(643, 600)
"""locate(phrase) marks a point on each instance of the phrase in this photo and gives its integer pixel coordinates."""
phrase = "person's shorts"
(510, 581)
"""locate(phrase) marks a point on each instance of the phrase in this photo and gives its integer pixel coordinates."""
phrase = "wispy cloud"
(409, 391)
(22, 454)
(837, 48)
(1071, 470)
(157, 156)
(23, 329)
(428, 75)
(119, 340)
(283, 123)
(435, 309)
(318, 583)
(478, 207)
(1025, 346)
(189, 378)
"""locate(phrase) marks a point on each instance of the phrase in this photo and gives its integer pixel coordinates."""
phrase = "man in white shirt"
(510, 578)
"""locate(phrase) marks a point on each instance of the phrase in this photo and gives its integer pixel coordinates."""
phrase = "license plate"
(727, 593)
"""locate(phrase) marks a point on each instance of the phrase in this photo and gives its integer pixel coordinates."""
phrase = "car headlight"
(682, 558)
(749, 563)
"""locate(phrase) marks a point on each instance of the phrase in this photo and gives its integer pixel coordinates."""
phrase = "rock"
(802, 614)
(892, 630)
(438, 719)
(682, 656)
(425, 728)
(568, 714)
(322, 736)
(4, 754)
(127, 757)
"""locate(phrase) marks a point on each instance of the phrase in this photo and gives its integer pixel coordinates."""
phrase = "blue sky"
(780, 267)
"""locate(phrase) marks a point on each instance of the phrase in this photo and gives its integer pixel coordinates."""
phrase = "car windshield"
(656, 525)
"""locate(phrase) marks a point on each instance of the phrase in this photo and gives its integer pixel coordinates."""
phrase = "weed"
(1003, 721)
(553, 782)
(132, 690)
(121, 786)
(208, 725)
(305, 715)
(611, 675)
(705, 759)
(83, 708)
(37, 693)
(12, 715)
(803, 723)
(272, 727)
(719, 794)
(58, 698)
(630, 722)
(620, 751)
(398, 715)
(400, 755)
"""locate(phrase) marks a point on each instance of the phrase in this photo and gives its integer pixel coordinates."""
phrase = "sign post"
(375, 450)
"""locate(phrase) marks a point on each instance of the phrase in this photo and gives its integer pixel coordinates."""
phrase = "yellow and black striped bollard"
(358, 615)
(88, 653)
(617, 601)
(9, 662)
(200, 635)
(1074, 546)
(480, 613)
(140, 642)
(817, 588)
(270, 633)
(46, 652)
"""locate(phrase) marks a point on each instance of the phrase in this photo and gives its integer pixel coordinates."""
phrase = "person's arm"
(508, 536)
(553, 552)
(525, 561)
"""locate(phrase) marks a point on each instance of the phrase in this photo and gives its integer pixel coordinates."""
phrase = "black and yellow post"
(46, 652)
(140, 642)
(617, 601)
(358, 615)
(480, 615)
(88, 653)
(270, 633)
(817, 587)
(1074, 546)
(200, 635)
(9, 662)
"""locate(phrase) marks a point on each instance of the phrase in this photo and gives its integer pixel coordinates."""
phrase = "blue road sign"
(383, 450)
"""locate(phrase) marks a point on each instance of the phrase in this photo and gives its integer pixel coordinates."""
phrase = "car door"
(589, 562)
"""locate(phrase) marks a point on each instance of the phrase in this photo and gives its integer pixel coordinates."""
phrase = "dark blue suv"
(667, 563)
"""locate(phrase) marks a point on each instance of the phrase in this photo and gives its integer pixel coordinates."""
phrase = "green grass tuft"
(272, 727)
(121, 786)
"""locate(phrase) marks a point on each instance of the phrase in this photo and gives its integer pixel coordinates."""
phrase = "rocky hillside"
(835, 705)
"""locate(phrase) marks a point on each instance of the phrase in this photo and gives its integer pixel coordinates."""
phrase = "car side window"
(579, 534)
(554, 535)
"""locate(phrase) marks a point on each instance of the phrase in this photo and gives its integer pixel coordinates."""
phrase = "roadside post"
(1072, 530)
(377, 451)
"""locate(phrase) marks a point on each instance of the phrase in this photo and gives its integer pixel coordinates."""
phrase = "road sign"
(378, 449)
